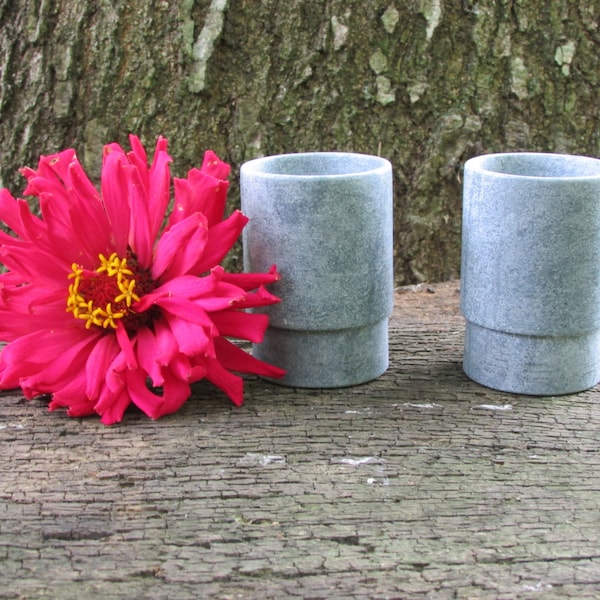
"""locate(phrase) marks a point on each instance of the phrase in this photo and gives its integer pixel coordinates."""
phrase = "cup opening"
(317, 164)
(539, 165)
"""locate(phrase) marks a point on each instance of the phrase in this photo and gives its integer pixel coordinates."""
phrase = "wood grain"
(421, 484)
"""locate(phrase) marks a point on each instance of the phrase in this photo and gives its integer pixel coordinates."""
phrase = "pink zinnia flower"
(103, 303)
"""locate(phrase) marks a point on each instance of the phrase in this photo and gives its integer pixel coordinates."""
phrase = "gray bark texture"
(425, 83)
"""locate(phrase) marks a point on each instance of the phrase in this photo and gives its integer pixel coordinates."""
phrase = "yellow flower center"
(104, 296)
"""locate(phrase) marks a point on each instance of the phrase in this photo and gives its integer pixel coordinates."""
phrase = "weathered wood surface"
(421, 484)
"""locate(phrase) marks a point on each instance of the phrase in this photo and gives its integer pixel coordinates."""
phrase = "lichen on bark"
(426, 84)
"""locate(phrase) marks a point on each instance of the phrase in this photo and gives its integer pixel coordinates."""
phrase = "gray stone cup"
(530, 289)
(325, 220)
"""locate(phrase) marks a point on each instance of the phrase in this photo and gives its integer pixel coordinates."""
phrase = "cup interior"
(530, 164)
(317, 164)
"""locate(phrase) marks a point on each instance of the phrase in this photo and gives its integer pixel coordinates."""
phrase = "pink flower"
(101, 306)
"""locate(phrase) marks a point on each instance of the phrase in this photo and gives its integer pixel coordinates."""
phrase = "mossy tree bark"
(426, 83)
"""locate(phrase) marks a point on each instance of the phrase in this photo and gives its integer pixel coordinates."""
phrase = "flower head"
(106, 299)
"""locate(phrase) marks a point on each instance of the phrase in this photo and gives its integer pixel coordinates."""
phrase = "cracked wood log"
(420, 484)
(426, 84)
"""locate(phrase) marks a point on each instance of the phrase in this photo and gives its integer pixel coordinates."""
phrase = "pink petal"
(140, 236)
(251, 281)
(182, 368)
(241, 325)
(179, 247)
(174, 394)
(115, 374)
(221, 238)
(50, 176)
(234, 358)
(167, 347)
(32, 264)
(192, 338)
(126, 346)
(26, 309)
(148, 351)
(231, 384)
(17, 215)
(192, 297)
(115, 192)
(88, 212)
(214, 166)
(114, 398)
(204, 190)
(159, 190)
(44, 362)
(64, 235)
(113, 406)
(148, 196)
(200, 192)
(183, 202)
(186, 309)
(73, 397)
(77, 178)
(39, 347)
(196, 371)
(138, 158)
(186, 286)
(70, 204)
(262, 297)
(99, 360)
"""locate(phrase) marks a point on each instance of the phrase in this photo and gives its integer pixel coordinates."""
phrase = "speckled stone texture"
(530, 272)
(325, 219)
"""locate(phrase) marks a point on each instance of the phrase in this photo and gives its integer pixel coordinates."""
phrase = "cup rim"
(583, 167)
(365, 164)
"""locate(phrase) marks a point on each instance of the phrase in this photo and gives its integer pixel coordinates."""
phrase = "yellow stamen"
(108, 313)
(127, 294)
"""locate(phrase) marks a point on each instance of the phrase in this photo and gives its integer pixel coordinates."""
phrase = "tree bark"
(425, 83)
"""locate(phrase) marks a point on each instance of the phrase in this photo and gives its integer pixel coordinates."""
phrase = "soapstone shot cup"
(530, 273)
(325, 220)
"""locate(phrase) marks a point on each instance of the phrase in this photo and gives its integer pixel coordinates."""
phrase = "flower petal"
(174, 393)
(99, 360)
(261, 297)
(200, 192)
(241, 325)
(140, 238)
(186, 286)
(186, 309)
(204, 190)
(115, 192)
(232, 385)
(146, 348)
(221, 238)
(126, 345)
(159, 189)
(251, 281)
(53, 351)
(27, 309)
(213, 165)
(114, 398)
(73, 397)
(180, 246)
(116, 404)
(192, 338)
(17, 215)
(234, 358)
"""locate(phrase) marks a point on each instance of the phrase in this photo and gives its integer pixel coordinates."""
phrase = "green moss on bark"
(426, 84)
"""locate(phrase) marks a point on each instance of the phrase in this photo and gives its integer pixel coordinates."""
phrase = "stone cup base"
(326, 359)
(534, 365)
